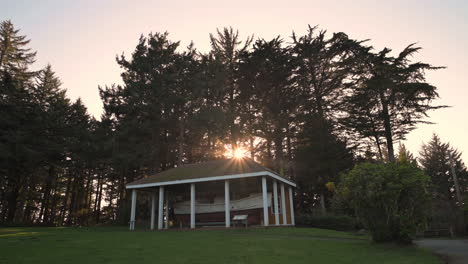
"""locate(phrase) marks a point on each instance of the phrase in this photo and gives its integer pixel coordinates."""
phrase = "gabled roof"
(208, 171)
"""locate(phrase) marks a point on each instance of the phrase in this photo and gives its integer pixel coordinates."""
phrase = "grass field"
(274, 245)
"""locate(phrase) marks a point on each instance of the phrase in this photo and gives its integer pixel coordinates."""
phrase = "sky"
(81, 39)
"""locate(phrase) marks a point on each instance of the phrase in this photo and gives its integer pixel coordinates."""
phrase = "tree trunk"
(156, 149)
(376, 135)
(29, 201)
(388, 128)
(43, 214)
(85, 200)
(13, 196)
(279, 152)
(289, 166)
(98, 186)
(99, 199)
(72, 209)
(252, 152)
(97, 202)
(55, 198)
(121, 206)
(322, 204)
(269, 155)
(65, 200)
(181, 144)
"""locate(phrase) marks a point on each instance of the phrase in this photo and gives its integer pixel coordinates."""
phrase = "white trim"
(275, 202)
(160, 207)
(192, 205)
(283, 203)
(166, 221)
(227, 204)
(291, 206)
(153, 209)
(265, 201)
(214, 178)
(132, 212)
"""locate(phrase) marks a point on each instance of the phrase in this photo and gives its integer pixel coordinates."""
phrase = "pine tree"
(55, 107)
(435, 160)
(320, 157)
(267, 92)
(20, 119)
(405, 155)
(227, 48)
(15, 58)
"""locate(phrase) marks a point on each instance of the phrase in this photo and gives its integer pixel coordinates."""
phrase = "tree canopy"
(310, 107)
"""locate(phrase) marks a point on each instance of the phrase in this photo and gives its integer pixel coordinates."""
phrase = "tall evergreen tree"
(15, 58)
(320, 157)
(393, 96)
(435, 160)
(267, 84)
(227, 47)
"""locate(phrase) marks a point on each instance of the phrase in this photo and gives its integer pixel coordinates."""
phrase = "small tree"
(389, 198)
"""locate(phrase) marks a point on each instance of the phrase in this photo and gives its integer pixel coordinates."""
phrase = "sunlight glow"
(240, 153)
(237, 153)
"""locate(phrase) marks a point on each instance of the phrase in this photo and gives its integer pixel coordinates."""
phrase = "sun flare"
(240, 153)
(237, 153)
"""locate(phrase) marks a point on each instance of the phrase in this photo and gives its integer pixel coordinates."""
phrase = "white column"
(275, 202)
(166, 223)
(160, 207)
(265, 201)
(192, 205)
(132, 212)
(291, 205)
(283, 203)
(153, 208)
(227, 204)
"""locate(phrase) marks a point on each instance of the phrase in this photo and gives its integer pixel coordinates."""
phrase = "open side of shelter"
(219, 192)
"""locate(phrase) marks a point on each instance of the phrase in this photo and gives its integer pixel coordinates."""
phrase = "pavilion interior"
(205, 193)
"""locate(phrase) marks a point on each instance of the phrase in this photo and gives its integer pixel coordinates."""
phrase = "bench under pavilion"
(213, 193)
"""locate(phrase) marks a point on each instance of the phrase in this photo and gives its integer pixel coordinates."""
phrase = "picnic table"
(243, 219)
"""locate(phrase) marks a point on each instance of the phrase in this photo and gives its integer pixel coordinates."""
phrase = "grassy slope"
(275, 245)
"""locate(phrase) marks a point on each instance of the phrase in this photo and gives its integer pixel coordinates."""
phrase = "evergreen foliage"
(306, 107)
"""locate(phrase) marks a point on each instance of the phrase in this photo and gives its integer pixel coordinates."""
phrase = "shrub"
(390, 199)
(334, 222)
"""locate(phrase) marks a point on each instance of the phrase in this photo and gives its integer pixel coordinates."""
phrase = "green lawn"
(274, 245)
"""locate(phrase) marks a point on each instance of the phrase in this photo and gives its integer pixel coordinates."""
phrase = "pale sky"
(81, 39)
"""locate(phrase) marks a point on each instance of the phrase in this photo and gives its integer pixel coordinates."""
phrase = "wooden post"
(291, 205)
(192, 205)
(275, 202)
(153, 209)
(283, 203)
(132, 212)
(455, 179)
(265, 201)
(160, 207)
(227, 204)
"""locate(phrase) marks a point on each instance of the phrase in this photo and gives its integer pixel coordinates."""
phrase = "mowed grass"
(272, 245)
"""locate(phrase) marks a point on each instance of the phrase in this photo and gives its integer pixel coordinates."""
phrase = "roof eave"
(214, 178)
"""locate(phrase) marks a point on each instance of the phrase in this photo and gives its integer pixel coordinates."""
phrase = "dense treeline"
(309, 107)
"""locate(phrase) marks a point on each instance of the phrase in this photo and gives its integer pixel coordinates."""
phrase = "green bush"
(390, 199)
(334, 222)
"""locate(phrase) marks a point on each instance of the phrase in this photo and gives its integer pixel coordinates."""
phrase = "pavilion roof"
(208, 171)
